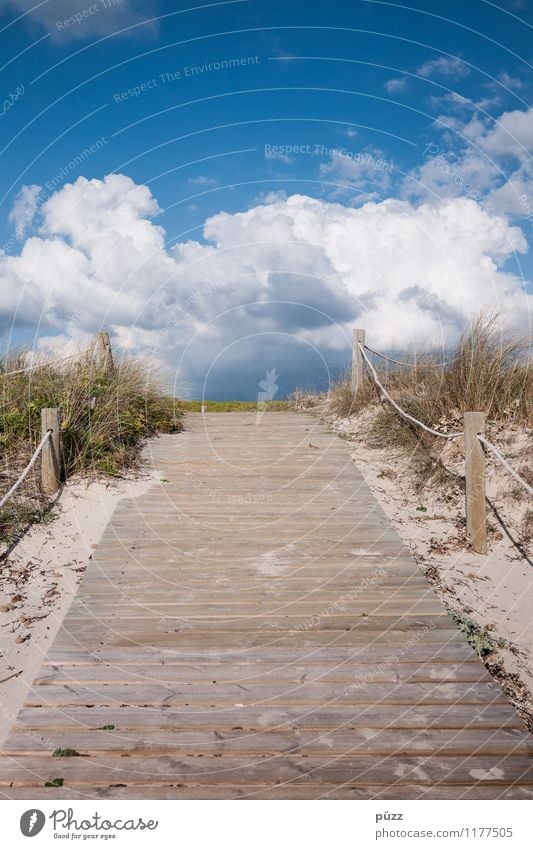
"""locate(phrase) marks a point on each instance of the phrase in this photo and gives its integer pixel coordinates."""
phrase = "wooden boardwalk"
(253, 627)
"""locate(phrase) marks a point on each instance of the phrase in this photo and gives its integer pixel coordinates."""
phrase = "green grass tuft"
(233, 406)
(66, 753)
(474, 634)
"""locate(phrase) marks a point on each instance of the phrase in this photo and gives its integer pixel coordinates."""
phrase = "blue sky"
(306, 168)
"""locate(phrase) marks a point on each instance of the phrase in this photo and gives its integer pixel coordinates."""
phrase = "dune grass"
(488, 372)
(106, 415)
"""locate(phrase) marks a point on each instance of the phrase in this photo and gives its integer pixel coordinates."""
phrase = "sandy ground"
(39, 578)
(496, 591)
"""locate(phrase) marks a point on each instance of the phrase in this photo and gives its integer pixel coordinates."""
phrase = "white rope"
(42, 364)
(26, 471)
(399, 409)
(413, 363)
(492, 448)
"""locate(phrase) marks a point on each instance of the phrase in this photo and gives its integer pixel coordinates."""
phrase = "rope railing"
(22, 477)
(397, 407)
(50, 444)
(412, 363)
(493, 450)
(476, 445)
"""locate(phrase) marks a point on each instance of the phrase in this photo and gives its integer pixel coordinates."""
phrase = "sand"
(40, 576)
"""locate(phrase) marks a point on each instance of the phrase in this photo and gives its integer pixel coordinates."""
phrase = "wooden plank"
(240, 672)
(220, 694)
(175, 640)
(381, 742)
(455, 652)
(330, 716)
(204, 769)
(283, 790)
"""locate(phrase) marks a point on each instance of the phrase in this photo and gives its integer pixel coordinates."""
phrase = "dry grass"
(342, 400)
(489, 372)
(106, 415)
(526, 529)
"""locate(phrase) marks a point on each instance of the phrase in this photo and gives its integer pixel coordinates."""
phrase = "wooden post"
(357, 361)
(476, 509)
(51, 454)
(105, 354)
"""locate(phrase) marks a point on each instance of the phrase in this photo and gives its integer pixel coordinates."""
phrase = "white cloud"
(515, 195)
(24, 208)
(509, 135)
(456, 103)
(444, 66)
(369, 171)
(278, 286)
(395, 85)
(510, 81)
(78, 19)
(446, 175)
(447, 122)
(282, 157)
(202, 180)
(486, 159)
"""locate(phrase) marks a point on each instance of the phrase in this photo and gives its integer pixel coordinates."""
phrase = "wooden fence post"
(357, 361)
(105, 354)
(51, 454)
(476, 509)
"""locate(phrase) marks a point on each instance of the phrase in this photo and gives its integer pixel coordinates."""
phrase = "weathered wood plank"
(381, 742)
(219, 694)
(239, 672)
(390, 770)
(285, 790)
(263, 717)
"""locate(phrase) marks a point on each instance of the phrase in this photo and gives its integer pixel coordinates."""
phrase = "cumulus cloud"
(24, 208)
(456, 103)
(449, 174)
(395, 85)
(202, 180)
(509, 81)
(509, 135)
(486, 159)
(369, 171)
(78, 19)
(282, 157)
(444, 66)
(276, 287)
